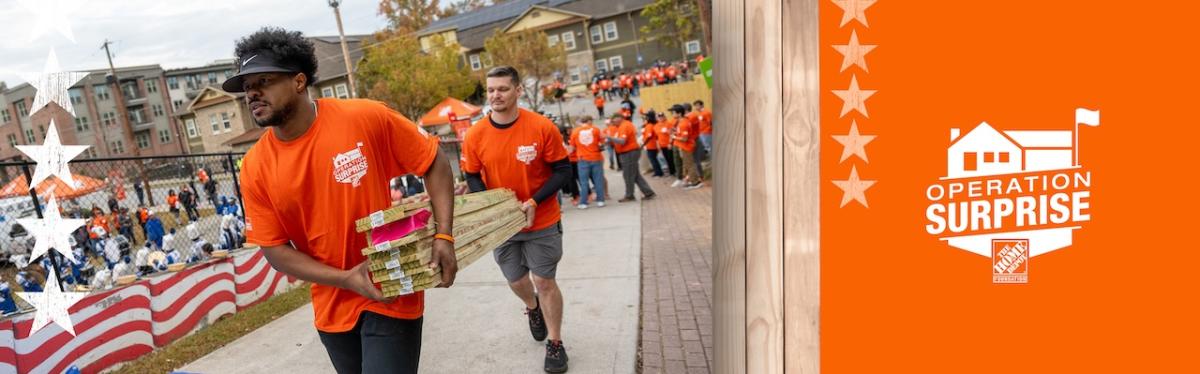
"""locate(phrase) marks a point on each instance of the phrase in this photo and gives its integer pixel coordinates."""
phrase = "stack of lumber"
(401, 238)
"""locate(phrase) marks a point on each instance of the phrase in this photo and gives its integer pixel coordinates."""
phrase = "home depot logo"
(1011, 195)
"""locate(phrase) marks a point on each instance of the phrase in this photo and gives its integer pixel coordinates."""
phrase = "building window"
(173, 83)
(575, 78)
(568, 39)
(327, 92)
(225, 122)
(117, 147)
(143, 140)
(969, 161)
(4, 114)
(158, 110)
(615, 63)
(130, 89)
(1003, 156)
(164, 136)
(475, 64)
(28, 136)
(101, 92)
(610, 31)
(12, 140)
(191, 128)
(212, 77)
(552, 40)
(137, 116)
(151, 85)
(76, 96)
(987, 157)
(191, 82)
(106, 118)
(81, 124)
(228, 73)
(216, 125)
(342, 93)
(597, 36)
(601, 66)
(91, 152)
(692, 47)
(21, 109)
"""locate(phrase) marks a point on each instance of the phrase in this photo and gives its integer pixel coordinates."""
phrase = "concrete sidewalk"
(478, 326)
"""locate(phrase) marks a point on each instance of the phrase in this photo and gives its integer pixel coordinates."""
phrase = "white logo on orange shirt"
(586, 137)
(350, 167)
(527, 153)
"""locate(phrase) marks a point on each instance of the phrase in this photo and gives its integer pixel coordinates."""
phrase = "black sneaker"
(537, 324)
(556, 357)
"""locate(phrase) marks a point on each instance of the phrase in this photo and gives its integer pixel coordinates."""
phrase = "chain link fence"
(168, 204)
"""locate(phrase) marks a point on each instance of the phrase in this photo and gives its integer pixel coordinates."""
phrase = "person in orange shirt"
(610, 131)
(599, 101)
(663, 130)
(693, 117)
(606, 87)
(685, 142)
(706, 118)
(586, 140)
(650, 141)
(523, 151)
(624, 140)
(322, 165)
(672, 73)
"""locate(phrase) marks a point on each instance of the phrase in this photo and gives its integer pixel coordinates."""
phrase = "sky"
(170, 33)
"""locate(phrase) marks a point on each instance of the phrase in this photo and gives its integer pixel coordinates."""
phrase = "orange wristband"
(531, 201)
(445, 237)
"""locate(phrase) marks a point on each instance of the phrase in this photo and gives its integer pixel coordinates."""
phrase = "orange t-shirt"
(599, 101)
(606, 84)
(586, 141)
(664, 133)
(100, 221)
(310, 190)
(705, 122)
(626, 131)
(610, 131)
(517, 158)
(685, 137)
(171, 200)
(649, 137)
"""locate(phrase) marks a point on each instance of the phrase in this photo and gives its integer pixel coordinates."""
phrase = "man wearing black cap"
(322, 165)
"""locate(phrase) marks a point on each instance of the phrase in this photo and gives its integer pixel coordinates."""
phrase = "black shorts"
(377, 344)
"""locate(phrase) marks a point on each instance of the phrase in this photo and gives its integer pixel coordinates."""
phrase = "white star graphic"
(50, 14)
(52, 305)
(854, 143)
(854, 53)
(52, 158)
(854, 10)
(53, 84)
(53, 231)
(854, 98)
(854, 188)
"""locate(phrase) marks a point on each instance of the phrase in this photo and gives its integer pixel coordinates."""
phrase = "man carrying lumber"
(323, 164)
(520, 150)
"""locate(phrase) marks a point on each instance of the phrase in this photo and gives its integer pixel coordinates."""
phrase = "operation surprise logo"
(1011, 195)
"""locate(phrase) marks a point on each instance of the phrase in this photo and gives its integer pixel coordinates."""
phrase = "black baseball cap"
(255, 64)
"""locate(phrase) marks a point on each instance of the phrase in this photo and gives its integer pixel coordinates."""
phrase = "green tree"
(672, 22)
(396, 71)
(531, 54)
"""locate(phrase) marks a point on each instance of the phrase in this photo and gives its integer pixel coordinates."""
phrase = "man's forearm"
(292, 262)
(439, 184)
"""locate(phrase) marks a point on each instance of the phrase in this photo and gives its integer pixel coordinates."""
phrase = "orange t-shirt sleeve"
(469, 162)
(555, 151)
(262, 224)
(413, 148)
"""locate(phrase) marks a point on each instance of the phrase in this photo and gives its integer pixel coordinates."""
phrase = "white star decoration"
(53, 231)
(52, 158)
(52, 305)
(854, 188)
(854, 10)
(50, 14)
(53, 84)
(854, 98)
(854, 143)
(854, 53)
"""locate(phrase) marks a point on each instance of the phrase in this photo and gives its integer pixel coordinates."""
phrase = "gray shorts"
(537, 251)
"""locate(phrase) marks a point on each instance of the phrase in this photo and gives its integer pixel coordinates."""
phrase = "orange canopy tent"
(440, 114)
(20, 187)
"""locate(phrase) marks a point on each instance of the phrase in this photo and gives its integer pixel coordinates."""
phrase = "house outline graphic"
(986, 151)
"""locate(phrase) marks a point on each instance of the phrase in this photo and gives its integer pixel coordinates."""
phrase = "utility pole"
(123, 116)
(345, 50)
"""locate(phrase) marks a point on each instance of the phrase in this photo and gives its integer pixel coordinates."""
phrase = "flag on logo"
(1087, 117)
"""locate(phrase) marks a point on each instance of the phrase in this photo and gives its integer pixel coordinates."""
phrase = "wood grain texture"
(802, 177)
(729, 187)
(764, 187)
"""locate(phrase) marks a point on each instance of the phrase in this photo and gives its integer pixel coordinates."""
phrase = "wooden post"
(766, 209)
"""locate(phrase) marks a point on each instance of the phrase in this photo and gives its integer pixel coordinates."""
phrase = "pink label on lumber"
(399, 229)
